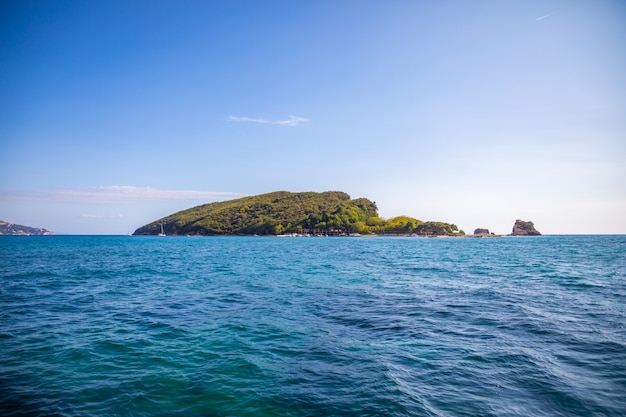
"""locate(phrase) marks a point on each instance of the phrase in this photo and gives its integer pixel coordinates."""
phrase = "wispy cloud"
(117, 194)
(291, 121)
(543, 17)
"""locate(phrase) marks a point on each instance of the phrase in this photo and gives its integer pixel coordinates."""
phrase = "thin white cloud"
(291, 121)
(543, 17)
(117, 194)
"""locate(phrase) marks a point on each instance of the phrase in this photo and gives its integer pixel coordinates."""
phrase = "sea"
(319, 326)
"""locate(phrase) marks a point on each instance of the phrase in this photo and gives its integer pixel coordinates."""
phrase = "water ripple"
(310, 327)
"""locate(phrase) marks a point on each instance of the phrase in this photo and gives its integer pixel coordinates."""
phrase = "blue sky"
(115, 113)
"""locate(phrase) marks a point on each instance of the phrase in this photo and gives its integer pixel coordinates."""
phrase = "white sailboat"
(162, 232)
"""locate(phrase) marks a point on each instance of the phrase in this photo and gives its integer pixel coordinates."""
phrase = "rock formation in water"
(523, 228)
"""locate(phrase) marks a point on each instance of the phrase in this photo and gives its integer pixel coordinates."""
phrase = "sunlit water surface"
(260, 326)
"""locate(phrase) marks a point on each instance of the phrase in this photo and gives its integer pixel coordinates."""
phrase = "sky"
(114, 114)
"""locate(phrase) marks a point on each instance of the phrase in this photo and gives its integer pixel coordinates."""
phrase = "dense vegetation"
(281, 212)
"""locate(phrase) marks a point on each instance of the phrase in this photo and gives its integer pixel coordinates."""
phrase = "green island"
(331, 213)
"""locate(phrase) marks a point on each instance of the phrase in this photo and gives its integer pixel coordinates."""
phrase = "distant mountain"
(281, 212)
(7, 228)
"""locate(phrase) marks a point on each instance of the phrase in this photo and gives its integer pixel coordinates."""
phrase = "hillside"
(331, 212)
(267, 214)
(7, 228)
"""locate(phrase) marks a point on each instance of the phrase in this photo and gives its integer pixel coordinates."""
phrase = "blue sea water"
(260, 326)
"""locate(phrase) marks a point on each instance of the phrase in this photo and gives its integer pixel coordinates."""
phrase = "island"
(524, 228)
(11, 229)
(330, 213)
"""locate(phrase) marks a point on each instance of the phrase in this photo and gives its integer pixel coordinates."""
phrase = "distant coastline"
(10, 229)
